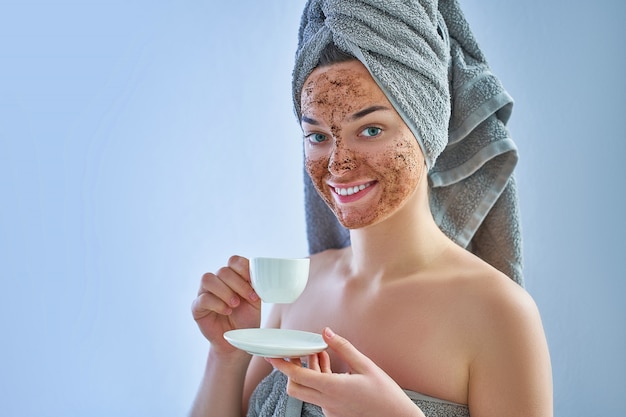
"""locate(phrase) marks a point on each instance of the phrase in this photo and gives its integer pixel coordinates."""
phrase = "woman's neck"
(405, 243)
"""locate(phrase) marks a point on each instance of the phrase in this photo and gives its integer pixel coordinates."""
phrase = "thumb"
(357, 361)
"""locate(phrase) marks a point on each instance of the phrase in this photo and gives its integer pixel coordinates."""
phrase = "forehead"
(342, 87)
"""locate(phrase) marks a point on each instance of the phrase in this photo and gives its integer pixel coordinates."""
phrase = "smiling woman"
(142, 143)
(466, 337)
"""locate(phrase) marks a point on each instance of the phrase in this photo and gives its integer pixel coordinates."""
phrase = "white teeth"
(351, 190)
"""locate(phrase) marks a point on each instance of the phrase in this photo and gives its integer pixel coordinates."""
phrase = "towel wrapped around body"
(270, 399)
(425, 59)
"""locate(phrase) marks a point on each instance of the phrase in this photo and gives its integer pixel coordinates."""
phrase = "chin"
(352, 218)
(353, 221)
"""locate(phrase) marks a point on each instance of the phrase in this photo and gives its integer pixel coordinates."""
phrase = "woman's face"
(362, 158)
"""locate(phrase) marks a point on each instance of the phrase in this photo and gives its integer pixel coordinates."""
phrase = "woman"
(416, 324)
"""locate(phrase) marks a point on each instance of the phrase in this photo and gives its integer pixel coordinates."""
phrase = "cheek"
(408, 163)
(401, 167)
(316, 168)
(409, 157)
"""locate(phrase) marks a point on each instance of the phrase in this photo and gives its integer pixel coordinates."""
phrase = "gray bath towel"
(424, 57)
(270, 399)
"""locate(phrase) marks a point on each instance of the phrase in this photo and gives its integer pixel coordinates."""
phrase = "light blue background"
(143, 142)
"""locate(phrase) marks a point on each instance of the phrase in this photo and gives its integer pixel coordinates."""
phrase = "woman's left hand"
(364, 391)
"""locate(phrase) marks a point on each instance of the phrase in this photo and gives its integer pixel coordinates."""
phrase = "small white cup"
(279, 280)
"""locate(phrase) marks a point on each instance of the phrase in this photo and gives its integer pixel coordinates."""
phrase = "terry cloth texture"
(425, 59)
(270, 399)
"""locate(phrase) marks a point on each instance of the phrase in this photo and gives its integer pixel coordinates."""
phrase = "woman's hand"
(226, 301)
(364, 391)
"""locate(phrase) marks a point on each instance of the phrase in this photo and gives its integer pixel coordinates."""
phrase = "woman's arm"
(225, 301)
(221, 391)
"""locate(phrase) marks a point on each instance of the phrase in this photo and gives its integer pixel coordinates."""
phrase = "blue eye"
(316, 138)
(371, 131)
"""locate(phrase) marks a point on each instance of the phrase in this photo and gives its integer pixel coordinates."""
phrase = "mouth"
(347, 191)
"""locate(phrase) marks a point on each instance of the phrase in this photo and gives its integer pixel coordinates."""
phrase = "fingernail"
(234, 301)
(253, 296)
(329, 333)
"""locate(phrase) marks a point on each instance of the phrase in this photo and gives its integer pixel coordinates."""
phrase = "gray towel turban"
(425, 59)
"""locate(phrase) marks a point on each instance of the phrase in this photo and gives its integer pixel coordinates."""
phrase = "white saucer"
(276, 343)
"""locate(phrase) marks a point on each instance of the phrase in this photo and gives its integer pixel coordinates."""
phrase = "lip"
(364, 188)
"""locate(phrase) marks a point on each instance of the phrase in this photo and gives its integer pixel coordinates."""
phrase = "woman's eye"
(371, 131)
(316, 137)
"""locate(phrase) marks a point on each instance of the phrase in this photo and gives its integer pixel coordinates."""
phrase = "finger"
(240, 265)
(314, 363)
(206, 304)
(300, 376)
(215, 285)
(296, 361)
(285, 366)
(300, 379)
(324, 362)
(239, 283)
(357, 362)
(304, 393)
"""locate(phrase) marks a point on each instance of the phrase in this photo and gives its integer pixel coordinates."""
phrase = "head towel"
(425, 59)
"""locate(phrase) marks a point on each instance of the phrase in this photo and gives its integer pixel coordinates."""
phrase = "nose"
(341, 160)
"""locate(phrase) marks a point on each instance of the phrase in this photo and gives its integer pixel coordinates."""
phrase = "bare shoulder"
(501, 304)
(501, 298)
(509, 363)
(488, 292)
(498, 309)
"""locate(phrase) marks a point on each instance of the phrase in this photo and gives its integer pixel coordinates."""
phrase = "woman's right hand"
(226, 301)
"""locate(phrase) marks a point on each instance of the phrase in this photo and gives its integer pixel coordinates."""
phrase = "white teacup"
(279, 280)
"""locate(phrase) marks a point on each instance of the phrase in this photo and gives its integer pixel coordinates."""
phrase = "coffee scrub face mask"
(361, 157)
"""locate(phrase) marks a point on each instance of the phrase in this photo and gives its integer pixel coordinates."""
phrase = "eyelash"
(316, 138)
(311, 138)
(378, 131)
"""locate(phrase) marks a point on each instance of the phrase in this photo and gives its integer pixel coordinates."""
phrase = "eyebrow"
(355, 116)
(366, 111)
(310, 121)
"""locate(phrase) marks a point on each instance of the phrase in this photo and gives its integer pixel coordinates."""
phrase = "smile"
(351, 190)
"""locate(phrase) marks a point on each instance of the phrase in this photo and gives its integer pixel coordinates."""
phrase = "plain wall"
(142, 143)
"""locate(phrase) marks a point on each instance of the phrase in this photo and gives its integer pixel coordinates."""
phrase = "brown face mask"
(362, 158)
